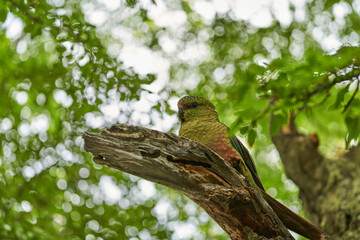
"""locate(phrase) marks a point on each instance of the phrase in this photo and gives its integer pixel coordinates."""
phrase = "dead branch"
(193, 170)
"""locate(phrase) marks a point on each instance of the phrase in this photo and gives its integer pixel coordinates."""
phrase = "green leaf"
(353, 125)
(3, 14)
(131, 3)
(340, 96)
(244, 129)
(252, 136)
(277, 121)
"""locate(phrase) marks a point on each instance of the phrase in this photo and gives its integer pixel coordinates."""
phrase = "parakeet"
(200, 123)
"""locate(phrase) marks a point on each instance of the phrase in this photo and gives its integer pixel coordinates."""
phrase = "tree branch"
(193, 170)
(328, 186)
(304, 165)
(301, 158)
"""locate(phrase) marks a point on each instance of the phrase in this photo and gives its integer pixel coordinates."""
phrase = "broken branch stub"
(193, 170)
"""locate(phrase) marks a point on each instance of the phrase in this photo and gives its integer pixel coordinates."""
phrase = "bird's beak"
(181, 115)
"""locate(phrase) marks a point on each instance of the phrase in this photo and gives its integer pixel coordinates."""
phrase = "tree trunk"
(193, 170)
(329, 188)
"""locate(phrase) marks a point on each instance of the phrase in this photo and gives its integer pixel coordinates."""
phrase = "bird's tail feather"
(293, 221)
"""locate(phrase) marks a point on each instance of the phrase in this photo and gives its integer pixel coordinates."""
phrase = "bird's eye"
(194, 104)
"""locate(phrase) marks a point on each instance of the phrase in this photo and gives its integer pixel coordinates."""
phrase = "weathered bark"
(193, 170)
(329, 188)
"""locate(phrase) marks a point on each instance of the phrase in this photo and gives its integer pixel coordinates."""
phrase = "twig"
(25, 12)
(266, 110)
(322, 101)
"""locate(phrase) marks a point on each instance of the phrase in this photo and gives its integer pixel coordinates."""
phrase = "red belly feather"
(222, 148)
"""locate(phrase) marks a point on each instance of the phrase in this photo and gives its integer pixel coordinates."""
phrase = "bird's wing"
(236, 143)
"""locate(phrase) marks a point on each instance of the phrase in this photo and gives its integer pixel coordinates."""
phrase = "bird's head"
(196, 108)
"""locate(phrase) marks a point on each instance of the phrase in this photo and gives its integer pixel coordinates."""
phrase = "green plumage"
(200, 123)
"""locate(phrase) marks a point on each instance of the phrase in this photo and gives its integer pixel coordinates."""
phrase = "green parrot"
(200, 123)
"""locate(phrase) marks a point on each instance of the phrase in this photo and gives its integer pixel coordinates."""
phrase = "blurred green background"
(81, 65)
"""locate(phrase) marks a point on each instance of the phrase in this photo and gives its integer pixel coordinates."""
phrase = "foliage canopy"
(71, 66)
